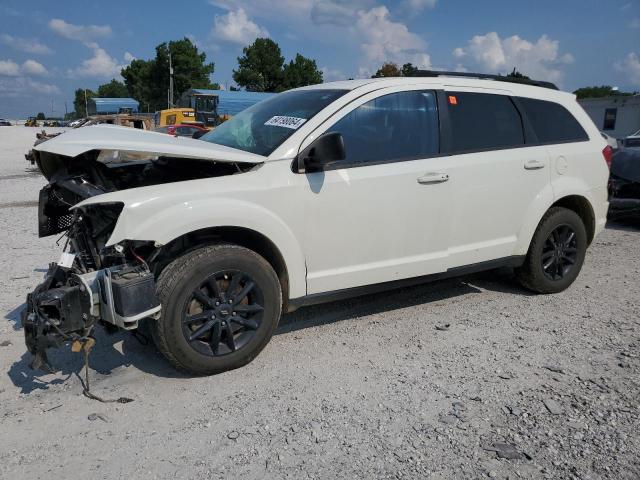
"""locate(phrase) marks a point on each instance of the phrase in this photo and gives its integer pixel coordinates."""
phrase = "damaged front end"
(90, 285)
(98, 281)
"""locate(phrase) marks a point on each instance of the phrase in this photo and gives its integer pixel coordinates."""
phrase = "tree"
(408, 70)
(300, 73)
(138, 80)
(79, 101)
(598, 92)
(388, 69)
(113, 89)
(148, 80)
(40, 116)
(260, 67)
(516, 74)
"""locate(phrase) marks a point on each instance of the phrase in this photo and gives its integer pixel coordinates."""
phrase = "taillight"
(607, 153)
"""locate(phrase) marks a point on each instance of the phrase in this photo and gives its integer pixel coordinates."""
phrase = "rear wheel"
(220, 306)
(556, 253)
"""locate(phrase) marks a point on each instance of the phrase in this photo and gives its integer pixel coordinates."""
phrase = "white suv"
(317, 193)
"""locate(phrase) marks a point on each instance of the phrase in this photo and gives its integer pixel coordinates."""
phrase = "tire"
(544, 249)
(241, 335)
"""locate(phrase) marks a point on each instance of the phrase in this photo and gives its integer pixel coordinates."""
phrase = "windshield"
(263, 127)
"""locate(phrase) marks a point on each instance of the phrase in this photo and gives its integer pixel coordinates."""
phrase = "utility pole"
(170, 81)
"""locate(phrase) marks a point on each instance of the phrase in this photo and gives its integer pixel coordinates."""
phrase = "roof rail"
(501, 78)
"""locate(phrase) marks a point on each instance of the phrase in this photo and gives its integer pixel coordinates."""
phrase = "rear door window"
(552, 122)
(482, 121)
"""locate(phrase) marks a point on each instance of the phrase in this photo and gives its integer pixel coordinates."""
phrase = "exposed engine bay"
(93, 284)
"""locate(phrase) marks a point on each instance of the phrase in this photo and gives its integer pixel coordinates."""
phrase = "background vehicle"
(183, 130)
(31, 122)
(631, 142)
(204, 106)
(4, 123)
(612, 142)
(176, 116)
(624, 184)
(315, 194)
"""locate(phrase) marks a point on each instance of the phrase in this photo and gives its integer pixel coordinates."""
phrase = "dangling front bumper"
(67, 305)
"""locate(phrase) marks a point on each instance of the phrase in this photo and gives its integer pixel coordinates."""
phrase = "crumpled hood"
(108, 137)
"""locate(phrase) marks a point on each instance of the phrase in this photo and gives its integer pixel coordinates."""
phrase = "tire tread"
(169, 278)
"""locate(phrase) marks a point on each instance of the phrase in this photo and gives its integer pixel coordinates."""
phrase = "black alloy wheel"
(556, 252)
(223, 313)
(560, 252)
(221, 304)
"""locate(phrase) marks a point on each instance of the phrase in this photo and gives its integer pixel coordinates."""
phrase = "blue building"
(108, 106)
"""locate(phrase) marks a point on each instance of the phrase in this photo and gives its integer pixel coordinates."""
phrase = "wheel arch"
(576, 202)
(581, 206)
(242, 236)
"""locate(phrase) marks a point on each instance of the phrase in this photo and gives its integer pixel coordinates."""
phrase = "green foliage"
(148, 80)
(260, 68)
(79, 101)
(408, 70)
(113, 89)
(388, 69)
(300, 72)
(516, 74)
(40, 116)
(598, 92)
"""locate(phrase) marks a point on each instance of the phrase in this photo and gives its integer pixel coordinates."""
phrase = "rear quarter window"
(482, 121)
(551, 122)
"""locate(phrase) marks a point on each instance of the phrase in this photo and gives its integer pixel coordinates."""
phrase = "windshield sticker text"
(287, 122)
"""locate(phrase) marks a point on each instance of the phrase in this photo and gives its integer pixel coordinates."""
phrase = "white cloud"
(345, 24)
(634, 23)
(237, 27)
(267, 8)
(9, 68)
(83, 33)
(416, 6)
(25, 45)
(385, 40)
(331, 75)
(540, 60)
(31, 67)
(100, 65)
(630, 67)
(23, 86)
(128, 57)
(342, 13)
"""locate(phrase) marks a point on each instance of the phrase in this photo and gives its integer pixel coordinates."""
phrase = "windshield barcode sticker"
(287, 122)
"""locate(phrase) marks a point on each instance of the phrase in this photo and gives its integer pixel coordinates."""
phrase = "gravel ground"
(467, 378)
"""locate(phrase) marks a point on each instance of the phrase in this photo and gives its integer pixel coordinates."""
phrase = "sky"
(49, 49)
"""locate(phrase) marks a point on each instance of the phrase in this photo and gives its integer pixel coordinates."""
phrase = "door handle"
(429, 178)
(534, 165)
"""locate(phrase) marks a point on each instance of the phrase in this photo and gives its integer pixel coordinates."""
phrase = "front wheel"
(220, 307)
(556, 253)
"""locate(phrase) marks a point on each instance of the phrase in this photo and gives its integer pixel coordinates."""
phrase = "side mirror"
(327, 148)
(198, 134)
